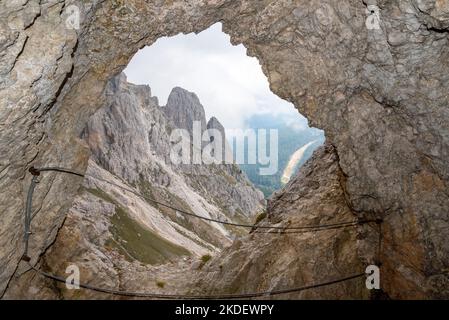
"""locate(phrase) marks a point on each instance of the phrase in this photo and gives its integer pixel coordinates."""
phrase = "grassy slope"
(132, 239)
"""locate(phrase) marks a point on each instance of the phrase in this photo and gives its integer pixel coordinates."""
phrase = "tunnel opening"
(313, 54)
(189, 91)
(232, 89)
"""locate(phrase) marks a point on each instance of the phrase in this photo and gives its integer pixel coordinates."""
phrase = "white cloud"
(231, 86)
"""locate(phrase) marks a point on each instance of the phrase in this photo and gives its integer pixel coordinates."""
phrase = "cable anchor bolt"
(25, 258)
(35, 172)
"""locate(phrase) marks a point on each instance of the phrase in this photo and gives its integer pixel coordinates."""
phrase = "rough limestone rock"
(121, 233)
(221, 149)
(130, 138)
(266, 260)
(379, 94)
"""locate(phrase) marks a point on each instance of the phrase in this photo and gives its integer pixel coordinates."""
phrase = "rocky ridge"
(130, 139)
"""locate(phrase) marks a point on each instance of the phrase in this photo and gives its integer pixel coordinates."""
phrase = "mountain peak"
(214, 123)
(183, 108)
(179, 94)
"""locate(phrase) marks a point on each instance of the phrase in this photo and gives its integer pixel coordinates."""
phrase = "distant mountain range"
(296, 144)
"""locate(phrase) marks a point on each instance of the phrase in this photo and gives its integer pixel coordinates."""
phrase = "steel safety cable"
(26, 258)
(36, 171)
(199, 297)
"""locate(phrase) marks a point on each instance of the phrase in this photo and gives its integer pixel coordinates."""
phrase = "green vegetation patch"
(101, 194)
(261, 216)
(204, 259)
(132, 239)
(195, 225)
(141, 243)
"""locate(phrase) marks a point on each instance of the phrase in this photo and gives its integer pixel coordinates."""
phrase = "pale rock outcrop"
(183, 108)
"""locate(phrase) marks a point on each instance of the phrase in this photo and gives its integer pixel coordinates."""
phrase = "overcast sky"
(230, 85)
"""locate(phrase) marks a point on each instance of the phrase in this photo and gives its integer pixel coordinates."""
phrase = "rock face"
(267, 260)
(130, 138)
(221, 149)
(379, 94)
(124, 231)
(192, 110)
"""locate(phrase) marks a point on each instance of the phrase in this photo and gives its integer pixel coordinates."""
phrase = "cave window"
(232, 88)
